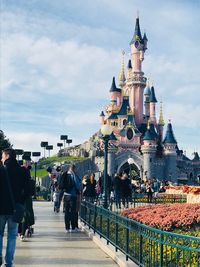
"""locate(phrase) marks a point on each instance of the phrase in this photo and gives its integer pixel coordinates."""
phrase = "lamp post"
(69, 141)
(130, 161)
(59, 145)
(106, 131)
(36, 155)
(64, 138)
(44, 144)
(49, 147)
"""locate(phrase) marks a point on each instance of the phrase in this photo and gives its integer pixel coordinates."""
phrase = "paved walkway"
(51, 246)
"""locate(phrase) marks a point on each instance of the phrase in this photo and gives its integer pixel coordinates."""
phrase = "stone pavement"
(51, 246)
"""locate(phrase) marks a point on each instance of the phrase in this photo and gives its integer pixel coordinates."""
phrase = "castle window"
(124, 121)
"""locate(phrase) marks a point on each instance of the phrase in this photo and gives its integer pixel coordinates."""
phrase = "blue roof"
(137, 33)
(147, 90)
(149, 135)
(113, 86)
(145, 37)
(129, 64)
(152, 96)
(102, 114)
(169, 137)
(196, 157)
(113, 116)
(153, 130)
(124, 106)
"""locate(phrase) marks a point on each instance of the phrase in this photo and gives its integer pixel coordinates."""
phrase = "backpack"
(67, 182)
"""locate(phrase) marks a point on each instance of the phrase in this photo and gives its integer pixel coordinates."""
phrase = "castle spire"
(161, 119)
(122, 73)
(169, 137)
(137, 34)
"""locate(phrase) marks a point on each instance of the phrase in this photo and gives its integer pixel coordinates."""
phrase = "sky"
(57, 60)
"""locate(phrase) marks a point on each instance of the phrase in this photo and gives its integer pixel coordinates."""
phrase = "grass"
(45, 162)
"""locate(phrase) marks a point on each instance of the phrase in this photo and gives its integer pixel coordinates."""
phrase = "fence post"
(127, 239)
(161, 249)
(140, 247)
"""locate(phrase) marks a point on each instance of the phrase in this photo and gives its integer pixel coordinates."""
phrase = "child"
(56, 197)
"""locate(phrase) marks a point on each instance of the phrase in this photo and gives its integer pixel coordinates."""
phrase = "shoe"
(67, 231)
(22, 238)
(77, 229)
(73, 231)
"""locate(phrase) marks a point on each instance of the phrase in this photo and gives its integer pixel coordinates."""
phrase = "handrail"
(144, 245)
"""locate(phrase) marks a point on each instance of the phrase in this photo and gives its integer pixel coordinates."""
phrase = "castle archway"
(123, 166)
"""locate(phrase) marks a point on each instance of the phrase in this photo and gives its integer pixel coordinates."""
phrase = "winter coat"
(18, 182)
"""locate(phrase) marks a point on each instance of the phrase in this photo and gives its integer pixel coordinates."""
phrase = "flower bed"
(168, 217)
(185, 189)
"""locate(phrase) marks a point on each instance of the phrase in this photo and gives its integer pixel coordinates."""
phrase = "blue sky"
(58, 59)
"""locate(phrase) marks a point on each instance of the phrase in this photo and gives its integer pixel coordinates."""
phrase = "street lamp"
(64, 138)
(44, 144)
(106, 131)
(49, 147)
(36, 155)
(60, 145)
(19, 152)
(69, 141)
(130, 161)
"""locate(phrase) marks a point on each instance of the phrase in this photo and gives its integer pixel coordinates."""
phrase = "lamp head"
(106, 129)
(130, 161)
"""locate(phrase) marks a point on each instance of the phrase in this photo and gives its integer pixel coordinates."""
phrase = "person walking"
(117, 189)
(125, 189)
(90, 188)
(71, 185)
(13, 180)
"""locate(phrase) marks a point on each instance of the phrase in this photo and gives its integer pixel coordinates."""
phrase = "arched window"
(124, 121)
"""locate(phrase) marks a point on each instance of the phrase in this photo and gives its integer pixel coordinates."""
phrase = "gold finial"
(148, 124)
(122, 74)
(137, 14)
(161, 119)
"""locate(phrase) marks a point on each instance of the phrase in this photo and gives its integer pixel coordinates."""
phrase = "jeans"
(70, 212)
(11, 238)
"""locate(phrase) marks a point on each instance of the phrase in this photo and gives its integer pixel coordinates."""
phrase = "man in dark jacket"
(14, 177)
(70, 184)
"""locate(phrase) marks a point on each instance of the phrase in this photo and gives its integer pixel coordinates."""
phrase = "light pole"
(36, 155)
(59, 145)
(44, 144)
(19, 152)
(130, 161)
(49, 147)
(106, 131)
(64, 138)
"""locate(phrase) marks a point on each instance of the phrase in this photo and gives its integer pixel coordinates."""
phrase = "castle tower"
(170, 154)
(102, 117)
(138, 82)
(115, 94)
(149, 152)
(161, 124)
(147, 93)
(153, 102)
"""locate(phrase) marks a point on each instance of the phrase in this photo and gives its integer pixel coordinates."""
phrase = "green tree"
(4, 142)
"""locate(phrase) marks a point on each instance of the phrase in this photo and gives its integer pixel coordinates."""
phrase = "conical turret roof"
(152, 96)
(196, 157)
(137, 34)
(113, 86)
(169, 137)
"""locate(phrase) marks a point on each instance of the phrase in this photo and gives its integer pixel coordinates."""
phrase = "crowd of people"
(17, 187)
